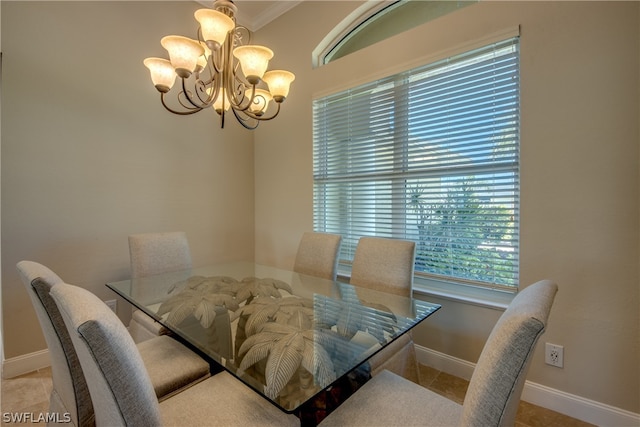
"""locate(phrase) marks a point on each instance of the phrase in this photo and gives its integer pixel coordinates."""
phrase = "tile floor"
(528, 415)
(26, 393)
(30, 393)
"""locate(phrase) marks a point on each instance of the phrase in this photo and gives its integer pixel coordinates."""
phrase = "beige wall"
(89, 155)
(579, 161)
(1, 327)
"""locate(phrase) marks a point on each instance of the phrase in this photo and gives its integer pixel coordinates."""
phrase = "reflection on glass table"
(288, 336)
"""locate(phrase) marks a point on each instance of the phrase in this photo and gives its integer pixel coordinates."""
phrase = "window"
(374, 21)
(430, 155)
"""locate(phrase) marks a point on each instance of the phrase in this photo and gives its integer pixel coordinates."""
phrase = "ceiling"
(254, 14)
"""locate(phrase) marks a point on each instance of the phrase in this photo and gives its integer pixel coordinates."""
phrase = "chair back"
(496, 384)
(70, 393)
(157, 253)
(318, 255)
(384, 264)
(119, 384)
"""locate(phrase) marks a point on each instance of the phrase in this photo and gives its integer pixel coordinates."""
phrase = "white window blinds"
(430, 155)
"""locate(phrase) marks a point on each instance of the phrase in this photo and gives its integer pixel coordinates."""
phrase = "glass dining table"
(299, 341)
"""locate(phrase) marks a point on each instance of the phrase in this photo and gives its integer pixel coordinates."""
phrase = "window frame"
(401, 211)
(378, 14)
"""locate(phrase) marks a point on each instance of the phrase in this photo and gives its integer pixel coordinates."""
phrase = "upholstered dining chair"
(384, 264)
(170, 365)
(150, 254)
(387, 265)
(121, 390)
(494, 390)
(318, 255)
(69, 394)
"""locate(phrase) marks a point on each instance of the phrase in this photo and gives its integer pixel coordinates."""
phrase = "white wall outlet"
(113, 305)
(554, 355)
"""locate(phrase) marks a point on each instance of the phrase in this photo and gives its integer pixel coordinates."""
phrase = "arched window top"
(377, 20)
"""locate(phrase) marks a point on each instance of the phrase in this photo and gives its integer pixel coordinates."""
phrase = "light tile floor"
(528, 415)
(30, 393)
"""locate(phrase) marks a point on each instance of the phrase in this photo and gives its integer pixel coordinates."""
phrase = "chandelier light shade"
(163, 75)
(221, 70)
(183, 54)
(214, 26)
(202, 60)
(221, 103)
(279, 82)
(254, 61)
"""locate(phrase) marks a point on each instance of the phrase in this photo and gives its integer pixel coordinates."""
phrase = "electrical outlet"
(113, 305)
(554, 355)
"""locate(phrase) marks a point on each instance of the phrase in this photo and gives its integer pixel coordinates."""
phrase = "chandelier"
(220, 69)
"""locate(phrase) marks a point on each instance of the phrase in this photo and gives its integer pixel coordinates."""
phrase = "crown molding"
(256, 21)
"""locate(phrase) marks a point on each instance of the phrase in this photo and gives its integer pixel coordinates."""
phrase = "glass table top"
(286, 335)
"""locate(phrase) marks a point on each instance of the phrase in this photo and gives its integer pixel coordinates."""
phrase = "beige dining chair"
(69, 394)
(120, 387)
(170, 365)
(494, 390)
(317, 255)
(384, 264)
(151, 254)
(387, 265)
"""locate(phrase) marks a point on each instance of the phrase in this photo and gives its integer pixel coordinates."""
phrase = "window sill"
(482, 297)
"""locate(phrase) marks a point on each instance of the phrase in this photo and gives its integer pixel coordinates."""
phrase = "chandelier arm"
(263, 118)
(189, 96)
(201, 86)
(213, 61)
(211, 76)
(181, 113)
(275, 113)
(243, 121)
(234, 93)
(236, 87)
(237, 32)
(240, 96)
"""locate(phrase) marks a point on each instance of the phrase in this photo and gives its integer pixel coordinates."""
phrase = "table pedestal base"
(316, 409)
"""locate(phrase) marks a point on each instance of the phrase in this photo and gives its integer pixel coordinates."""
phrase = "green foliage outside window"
(455, 228)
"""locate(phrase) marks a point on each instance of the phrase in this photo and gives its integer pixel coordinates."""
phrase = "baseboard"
(565, 403)
(578, 407)
(26, 363)
(445, 363)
